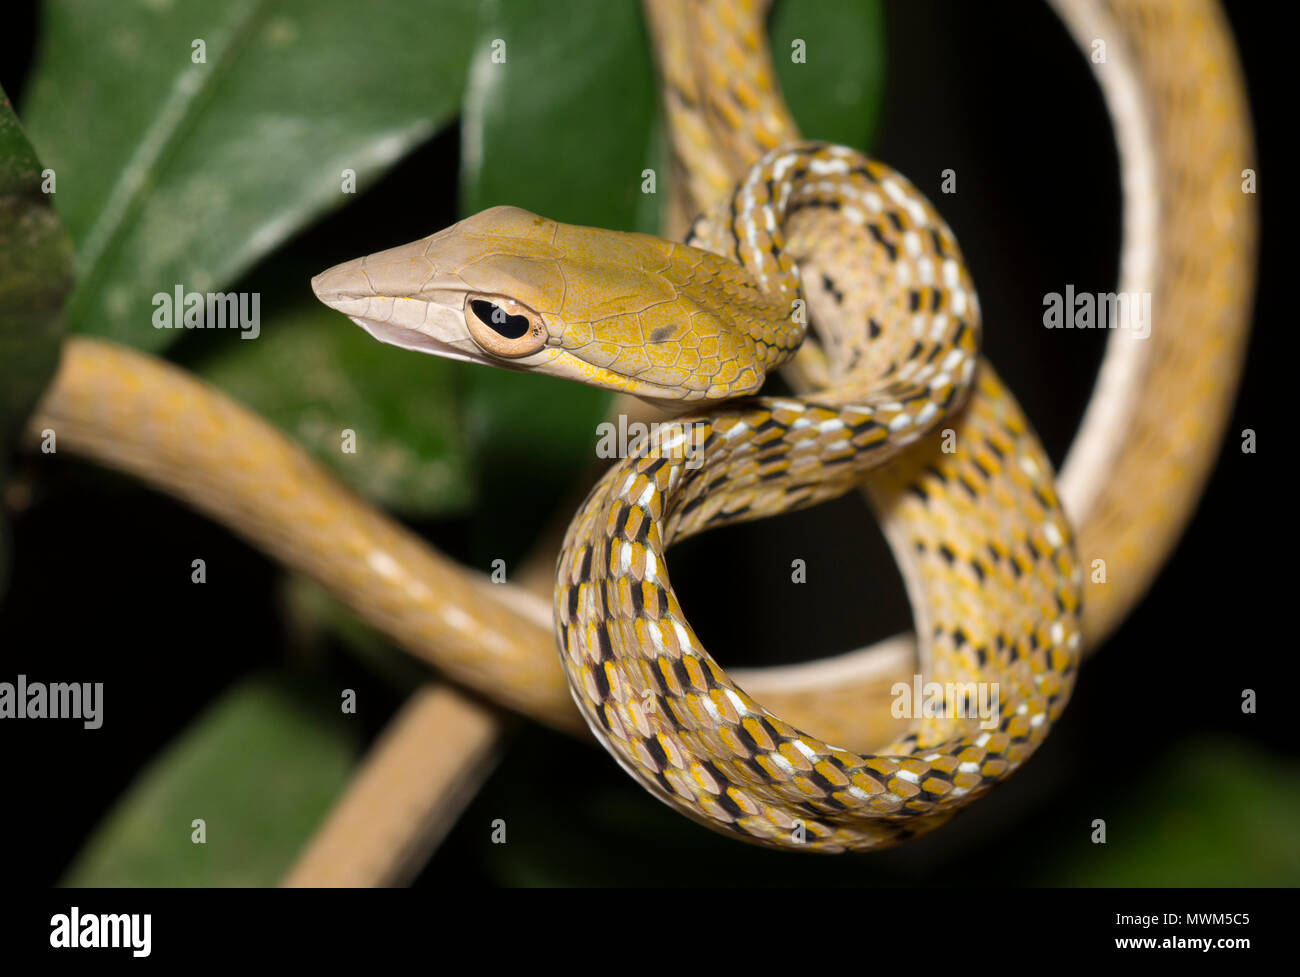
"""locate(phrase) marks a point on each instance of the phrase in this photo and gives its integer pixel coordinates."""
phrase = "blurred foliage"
(1215, 812)
(837, 92)
(183, 172)
(35, 278)
(260, 768)
(562, 126)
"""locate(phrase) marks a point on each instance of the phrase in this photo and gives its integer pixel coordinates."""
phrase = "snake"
(639, 675)
(985, 547)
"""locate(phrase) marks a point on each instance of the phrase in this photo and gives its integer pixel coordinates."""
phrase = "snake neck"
(883, 256)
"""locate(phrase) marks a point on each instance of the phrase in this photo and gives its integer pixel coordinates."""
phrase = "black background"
(1003, 98)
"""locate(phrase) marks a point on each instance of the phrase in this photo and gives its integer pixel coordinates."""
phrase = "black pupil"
(504, 324)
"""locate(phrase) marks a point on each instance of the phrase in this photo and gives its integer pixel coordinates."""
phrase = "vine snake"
(979, 531)
(1172, 84)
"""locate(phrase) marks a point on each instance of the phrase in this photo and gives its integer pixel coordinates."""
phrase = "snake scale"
(979, 531)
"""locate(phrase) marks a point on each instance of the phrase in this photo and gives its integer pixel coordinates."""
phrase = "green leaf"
(259, 767)
(1217, 812)
(35, 278)
(173, 172)
(411, 450)
(566, 122)
(558, 112)
(835, 94)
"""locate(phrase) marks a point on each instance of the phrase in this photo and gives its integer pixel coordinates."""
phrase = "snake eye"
(504, 327)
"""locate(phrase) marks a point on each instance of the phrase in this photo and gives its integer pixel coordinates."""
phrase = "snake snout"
(344, 287)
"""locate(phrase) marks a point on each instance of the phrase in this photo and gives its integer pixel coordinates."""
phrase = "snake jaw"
(428, 322)
(412, 339)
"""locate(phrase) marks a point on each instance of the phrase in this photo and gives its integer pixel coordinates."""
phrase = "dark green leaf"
(560, 123)
(35, 278)
(260, 768)
(1216, 812)
(835, 94)
(175, 172)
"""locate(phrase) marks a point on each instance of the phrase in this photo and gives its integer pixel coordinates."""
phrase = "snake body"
(997, 601)
(976, 523)
(641, 676)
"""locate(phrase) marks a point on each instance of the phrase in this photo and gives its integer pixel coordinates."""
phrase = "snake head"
(627, 312)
